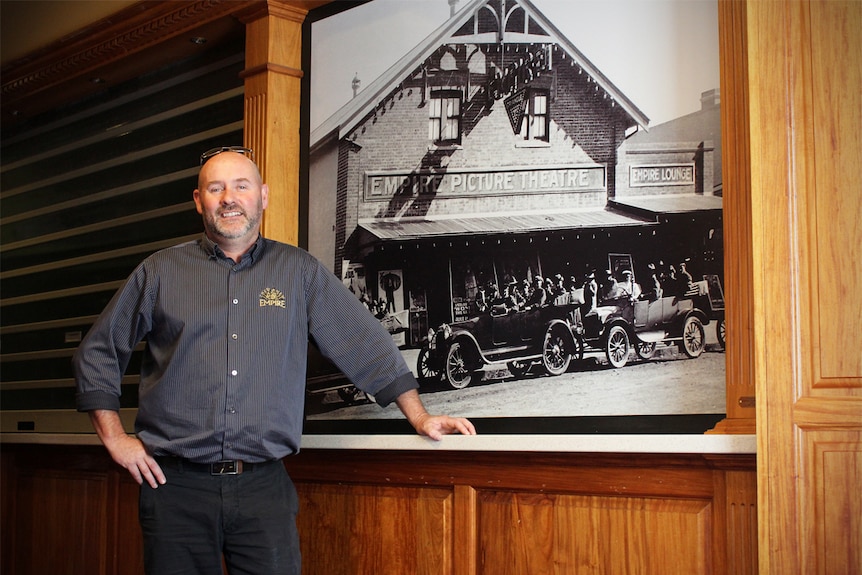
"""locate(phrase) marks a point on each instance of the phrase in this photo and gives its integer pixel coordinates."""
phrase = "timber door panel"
(61, 523)
(351, 529)
(524, 533)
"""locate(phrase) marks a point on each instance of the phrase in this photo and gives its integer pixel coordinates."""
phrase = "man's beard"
(214, 224)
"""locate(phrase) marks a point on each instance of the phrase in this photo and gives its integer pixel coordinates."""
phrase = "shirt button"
(235, 301)
(234, 372)
(232, 410)
(234, 336)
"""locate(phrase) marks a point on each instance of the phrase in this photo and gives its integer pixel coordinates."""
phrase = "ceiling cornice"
(113, 49)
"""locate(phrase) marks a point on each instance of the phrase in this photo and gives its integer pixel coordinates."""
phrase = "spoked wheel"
(556, 355)
(458, 372)
(720, 334)
(617, 347)
(645, 349)
(424, 368)
(693, 337)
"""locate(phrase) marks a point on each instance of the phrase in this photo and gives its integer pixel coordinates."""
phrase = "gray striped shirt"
(223, 371)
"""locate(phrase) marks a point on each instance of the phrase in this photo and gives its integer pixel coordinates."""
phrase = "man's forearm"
(412, 408)
(107, 424)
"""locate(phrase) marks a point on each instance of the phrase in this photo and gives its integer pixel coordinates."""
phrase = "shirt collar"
(215, 252)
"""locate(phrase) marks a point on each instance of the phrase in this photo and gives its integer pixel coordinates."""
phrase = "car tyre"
(423, 367)
(645, 349)
(458, 372)
(721, 333)
(556, 355)
(617, 346)
(693, 337)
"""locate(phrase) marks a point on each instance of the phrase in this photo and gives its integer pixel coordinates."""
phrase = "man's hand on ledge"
(433, 426)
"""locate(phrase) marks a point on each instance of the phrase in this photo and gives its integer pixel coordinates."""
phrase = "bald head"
(231, 198)
(230, 160)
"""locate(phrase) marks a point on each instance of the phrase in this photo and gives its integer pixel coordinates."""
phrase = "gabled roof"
(349, 115)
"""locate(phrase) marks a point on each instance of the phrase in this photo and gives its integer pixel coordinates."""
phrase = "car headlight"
(446, 331)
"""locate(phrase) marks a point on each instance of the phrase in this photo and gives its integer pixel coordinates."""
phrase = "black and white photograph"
(528, 195)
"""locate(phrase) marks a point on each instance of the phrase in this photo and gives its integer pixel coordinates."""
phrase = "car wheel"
(720, 333)
(693, 337)
(556, 355)
(645, 349)
(518, 368)
(458, 373)
(423, 367)
(617, 346)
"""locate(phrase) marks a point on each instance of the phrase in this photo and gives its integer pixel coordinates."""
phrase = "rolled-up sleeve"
(102, 357)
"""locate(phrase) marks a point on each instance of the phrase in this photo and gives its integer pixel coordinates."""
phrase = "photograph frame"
(697, 423)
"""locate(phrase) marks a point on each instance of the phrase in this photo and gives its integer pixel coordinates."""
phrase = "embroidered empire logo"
(271, 296)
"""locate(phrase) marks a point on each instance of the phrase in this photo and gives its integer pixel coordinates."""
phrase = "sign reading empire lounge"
(661, 175)
(384, 185)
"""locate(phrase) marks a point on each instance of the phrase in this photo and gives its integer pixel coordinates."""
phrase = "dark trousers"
(195, 519)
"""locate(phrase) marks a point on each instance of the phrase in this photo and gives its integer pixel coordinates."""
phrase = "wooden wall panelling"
(376, 529)
(8, 510)
(805, 88)
(61, 516)
(558, 533)
(534, 513)
(418, 512)
(735, 506)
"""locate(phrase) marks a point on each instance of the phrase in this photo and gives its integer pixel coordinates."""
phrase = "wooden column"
(739, 270)
(272, 108)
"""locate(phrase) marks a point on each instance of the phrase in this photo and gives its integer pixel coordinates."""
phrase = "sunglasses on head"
(216, 151)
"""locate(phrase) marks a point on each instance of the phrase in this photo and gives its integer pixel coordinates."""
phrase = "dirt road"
(668, 384)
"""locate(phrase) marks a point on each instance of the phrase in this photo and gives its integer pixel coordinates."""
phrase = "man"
(610, 287)
(629, 287)
(227, 320)
(538, 297)
(506, 300)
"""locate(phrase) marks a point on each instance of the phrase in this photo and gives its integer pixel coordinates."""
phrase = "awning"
(667, 204)
(389, 230)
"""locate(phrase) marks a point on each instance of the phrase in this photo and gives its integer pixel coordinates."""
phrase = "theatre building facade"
(491, 153)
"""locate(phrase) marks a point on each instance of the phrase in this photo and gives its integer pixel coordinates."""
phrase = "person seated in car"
(505, 302)
(610, 287)
(539, 296)
(629, 287)
(655, 292)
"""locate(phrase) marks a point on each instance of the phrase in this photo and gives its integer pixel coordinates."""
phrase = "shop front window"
(477, 281)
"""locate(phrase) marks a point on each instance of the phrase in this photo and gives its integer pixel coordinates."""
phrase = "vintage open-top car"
(519, 338)
(618, 325)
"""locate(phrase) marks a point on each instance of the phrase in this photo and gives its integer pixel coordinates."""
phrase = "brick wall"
(585, 130)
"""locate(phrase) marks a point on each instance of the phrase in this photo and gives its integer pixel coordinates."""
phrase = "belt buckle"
(226, 467)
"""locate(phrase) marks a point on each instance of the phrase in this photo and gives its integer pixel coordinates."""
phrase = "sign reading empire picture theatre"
(527, 213)
(384, 185)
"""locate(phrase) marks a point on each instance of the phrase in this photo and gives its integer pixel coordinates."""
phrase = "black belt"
(224, 467)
